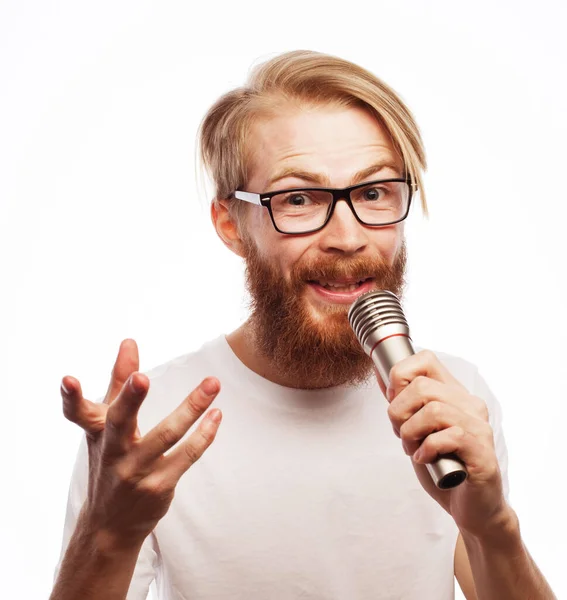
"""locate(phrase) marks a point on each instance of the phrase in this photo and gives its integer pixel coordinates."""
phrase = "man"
(305, 492)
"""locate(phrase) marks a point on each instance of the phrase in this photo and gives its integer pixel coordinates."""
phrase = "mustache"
(339, 268)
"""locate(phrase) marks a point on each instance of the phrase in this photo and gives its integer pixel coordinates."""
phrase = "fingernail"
(209, 387)
(64, 388)
(417, 455)
(215, 415)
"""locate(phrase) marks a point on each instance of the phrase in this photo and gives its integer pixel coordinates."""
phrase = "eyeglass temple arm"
(248, 197)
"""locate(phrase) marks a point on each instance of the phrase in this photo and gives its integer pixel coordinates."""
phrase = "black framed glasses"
(306, 210)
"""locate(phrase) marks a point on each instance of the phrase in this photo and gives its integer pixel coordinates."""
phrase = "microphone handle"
(448, 471)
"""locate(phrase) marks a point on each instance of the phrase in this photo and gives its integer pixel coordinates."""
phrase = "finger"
(126, 363)
(437, 416)
(422, 391)
(455, 440)
(167, 433)
(423, 363)
(86, 414)
(122, 415)
(189, 452)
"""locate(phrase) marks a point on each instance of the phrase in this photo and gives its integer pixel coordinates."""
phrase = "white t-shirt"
(303, 494)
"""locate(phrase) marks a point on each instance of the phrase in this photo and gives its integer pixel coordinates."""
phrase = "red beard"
(312, 352)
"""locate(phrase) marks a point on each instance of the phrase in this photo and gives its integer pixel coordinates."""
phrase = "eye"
(372, 194)
(297, 199)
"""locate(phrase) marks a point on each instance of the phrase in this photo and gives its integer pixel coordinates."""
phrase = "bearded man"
(306, 491)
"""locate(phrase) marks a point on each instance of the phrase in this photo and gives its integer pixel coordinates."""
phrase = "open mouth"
(343, 285)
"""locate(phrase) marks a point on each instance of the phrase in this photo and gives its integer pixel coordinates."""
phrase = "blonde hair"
(310, 78)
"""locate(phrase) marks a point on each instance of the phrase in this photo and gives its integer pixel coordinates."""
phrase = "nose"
(343, 233)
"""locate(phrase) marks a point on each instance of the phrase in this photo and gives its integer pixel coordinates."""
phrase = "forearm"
(93, 569)
(502, 566)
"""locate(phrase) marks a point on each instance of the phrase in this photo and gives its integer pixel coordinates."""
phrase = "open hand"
(131, 480)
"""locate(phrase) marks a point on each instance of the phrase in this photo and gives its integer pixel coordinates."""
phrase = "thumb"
(88, 415)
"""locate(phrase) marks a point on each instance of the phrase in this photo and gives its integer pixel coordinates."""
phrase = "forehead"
(322, 144)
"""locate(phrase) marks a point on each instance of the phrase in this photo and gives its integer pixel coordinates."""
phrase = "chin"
(321, 312)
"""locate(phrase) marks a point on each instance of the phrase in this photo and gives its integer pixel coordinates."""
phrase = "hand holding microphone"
(382, 330)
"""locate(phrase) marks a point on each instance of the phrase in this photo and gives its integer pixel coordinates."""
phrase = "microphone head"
(375, 316)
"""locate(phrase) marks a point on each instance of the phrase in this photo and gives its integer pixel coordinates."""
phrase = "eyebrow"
(323, 180)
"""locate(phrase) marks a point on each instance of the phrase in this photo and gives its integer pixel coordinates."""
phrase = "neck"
(243, 343)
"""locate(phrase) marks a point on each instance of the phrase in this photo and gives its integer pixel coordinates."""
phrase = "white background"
(105, 231)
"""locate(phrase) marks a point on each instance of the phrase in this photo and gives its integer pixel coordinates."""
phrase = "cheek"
(388, 242)
(281, 251)
(267, 240)
(258, 228)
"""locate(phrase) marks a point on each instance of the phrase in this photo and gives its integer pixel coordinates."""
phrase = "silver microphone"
(378, 322)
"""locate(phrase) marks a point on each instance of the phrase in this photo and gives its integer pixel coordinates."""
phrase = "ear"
(226, 227)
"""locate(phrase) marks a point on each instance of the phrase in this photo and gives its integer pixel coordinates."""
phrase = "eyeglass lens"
(375, 204)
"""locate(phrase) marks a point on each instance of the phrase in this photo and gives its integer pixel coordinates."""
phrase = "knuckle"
(167, 436)
(124, 474)
(483, 410)
(196, 403)
(425, 446)
(192, 453)
(395, 373)
(458, 432)
(434, 408)
(488, 433)
(121, 473)
(421, 384)
(392, 412)
(193, 407)
(494, 473)
(207, 434)
(429, 355)
(155, 488)
(395, 419)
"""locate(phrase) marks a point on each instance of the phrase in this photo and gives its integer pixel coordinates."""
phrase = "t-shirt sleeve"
(146, 566)
(481, 389)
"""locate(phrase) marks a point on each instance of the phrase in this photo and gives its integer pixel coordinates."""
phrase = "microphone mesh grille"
(372, 310)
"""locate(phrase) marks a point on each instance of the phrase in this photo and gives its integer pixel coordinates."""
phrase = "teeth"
(340, 286)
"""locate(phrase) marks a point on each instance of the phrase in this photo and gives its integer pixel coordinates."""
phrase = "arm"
(435, 415)
(130, 482)
(94, 570)
(502, 566)
(463, 571)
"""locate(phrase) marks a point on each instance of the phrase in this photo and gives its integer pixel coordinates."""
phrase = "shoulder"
(184, 366)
